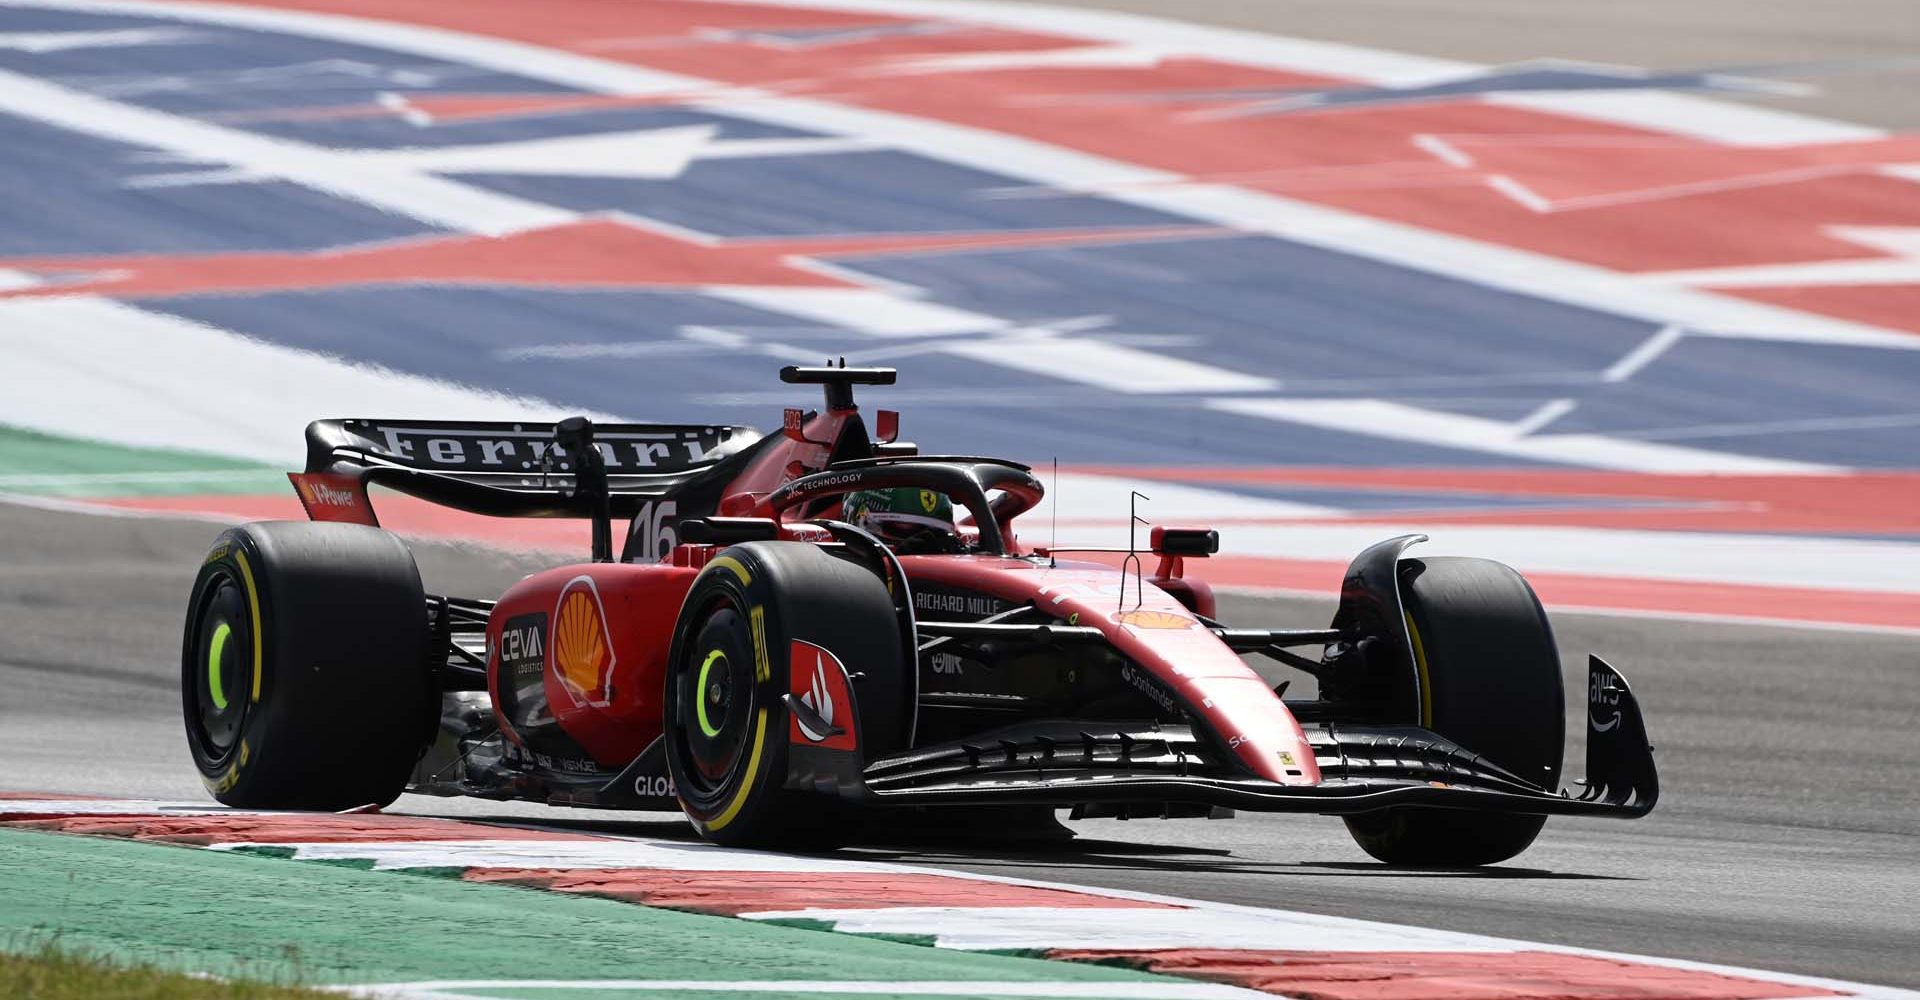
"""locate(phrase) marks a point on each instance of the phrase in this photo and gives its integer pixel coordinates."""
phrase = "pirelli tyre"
(303, 677)
(759, 612)
(1488, 676)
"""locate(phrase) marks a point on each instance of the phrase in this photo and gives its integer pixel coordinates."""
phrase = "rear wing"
(504, 469)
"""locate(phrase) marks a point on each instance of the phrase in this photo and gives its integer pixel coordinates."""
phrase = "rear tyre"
(726, 726)
(1489, 679)
(303, 674)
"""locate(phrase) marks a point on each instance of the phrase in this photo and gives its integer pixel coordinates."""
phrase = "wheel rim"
(221, 668)
(715, 702)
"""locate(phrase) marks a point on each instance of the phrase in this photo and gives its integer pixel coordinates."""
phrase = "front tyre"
(303, 673)
(1488, 676)
(727, 727)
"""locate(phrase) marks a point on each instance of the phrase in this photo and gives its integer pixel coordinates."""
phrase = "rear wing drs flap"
(503, 469)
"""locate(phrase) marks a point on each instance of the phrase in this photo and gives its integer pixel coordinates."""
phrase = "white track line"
(1172, 990)
(1178, 922)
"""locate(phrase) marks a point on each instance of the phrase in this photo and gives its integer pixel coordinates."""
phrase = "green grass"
(47, 465)
(48, 972)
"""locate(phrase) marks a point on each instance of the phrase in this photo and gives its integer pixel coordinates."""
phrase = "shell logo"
(582, 650)
(1153, 619)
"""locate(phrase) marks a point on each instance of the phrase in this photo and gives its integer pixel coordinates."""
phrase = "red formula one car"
(778, 665)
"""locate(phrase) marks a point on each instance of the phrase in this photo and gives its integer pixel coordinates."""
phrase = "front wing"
(1363, 768)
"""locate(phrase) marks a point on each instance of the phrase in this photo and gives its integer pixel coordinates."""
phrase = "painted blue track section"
(877, 192)
(80, 204)
(1318, 324)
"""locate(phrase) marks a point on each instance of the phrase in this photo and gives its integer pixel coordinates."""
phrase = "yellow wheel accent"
(253, 606)
(746, 783)
(1420, 665)
(762, 667)
(700, 693)
(219, 646)
(729, 562)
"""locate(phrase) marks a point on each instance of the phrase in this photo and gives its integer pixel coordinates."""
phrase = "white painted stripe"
(21, 480)
(1038, 349)
(1102, 500)
(1515, 191)
(648, 154)
(120, 807)
(1694, 116)
(401, 190)
(1251, 48)
(1169, 989)
(1583, 609)
(988, 928)
(97, 509)
(1718, 619)
(1107, 365)
(1821, 272)
(1443, 150)
(160, 381)
(1081, 57)
(1684, 556)
(876, 313)
(1548, 412)
(45, 42)
(1387, 419)
(1900, 267)
(1753, 428)
(657, 855)
(1643, 355)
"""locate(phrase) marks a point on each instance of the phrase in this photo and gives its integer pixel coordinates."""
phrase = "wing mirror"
(1197, 542)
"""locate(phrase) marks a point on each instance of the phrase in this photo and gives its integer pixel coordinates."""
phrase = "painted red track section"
(875, 895)
(1805, 604)
(1520, 975)
(588, 254)
(276, 828)
(1625, 198)
(734, 893)
(1860, 503)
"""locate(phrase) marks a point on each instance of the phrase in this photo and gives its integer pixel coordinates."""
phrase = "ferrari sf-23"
(807, 631)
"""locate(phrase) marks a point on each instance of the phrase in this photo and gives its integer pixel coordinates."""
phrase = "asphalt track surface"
(1859, 54)
(1788, 835)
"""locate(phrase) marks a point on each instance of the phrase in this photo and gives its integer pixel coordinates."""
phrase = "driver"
(911, 519)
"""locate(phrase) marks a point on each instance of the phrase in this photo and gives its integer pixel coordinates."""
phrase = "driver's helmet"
(907, 517)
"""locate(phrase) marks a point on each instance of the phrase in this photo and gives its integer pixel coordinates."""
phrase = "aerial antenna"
(1139, 576)
(1053, 538)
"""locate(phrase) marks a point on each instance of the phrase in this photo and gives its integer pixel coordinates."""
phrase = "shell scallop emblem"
(582, 650)
(1153, 619)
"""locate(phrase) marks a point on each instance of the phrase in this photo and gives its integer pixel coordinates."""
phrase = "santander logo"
(818, 698)
(818, 681)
